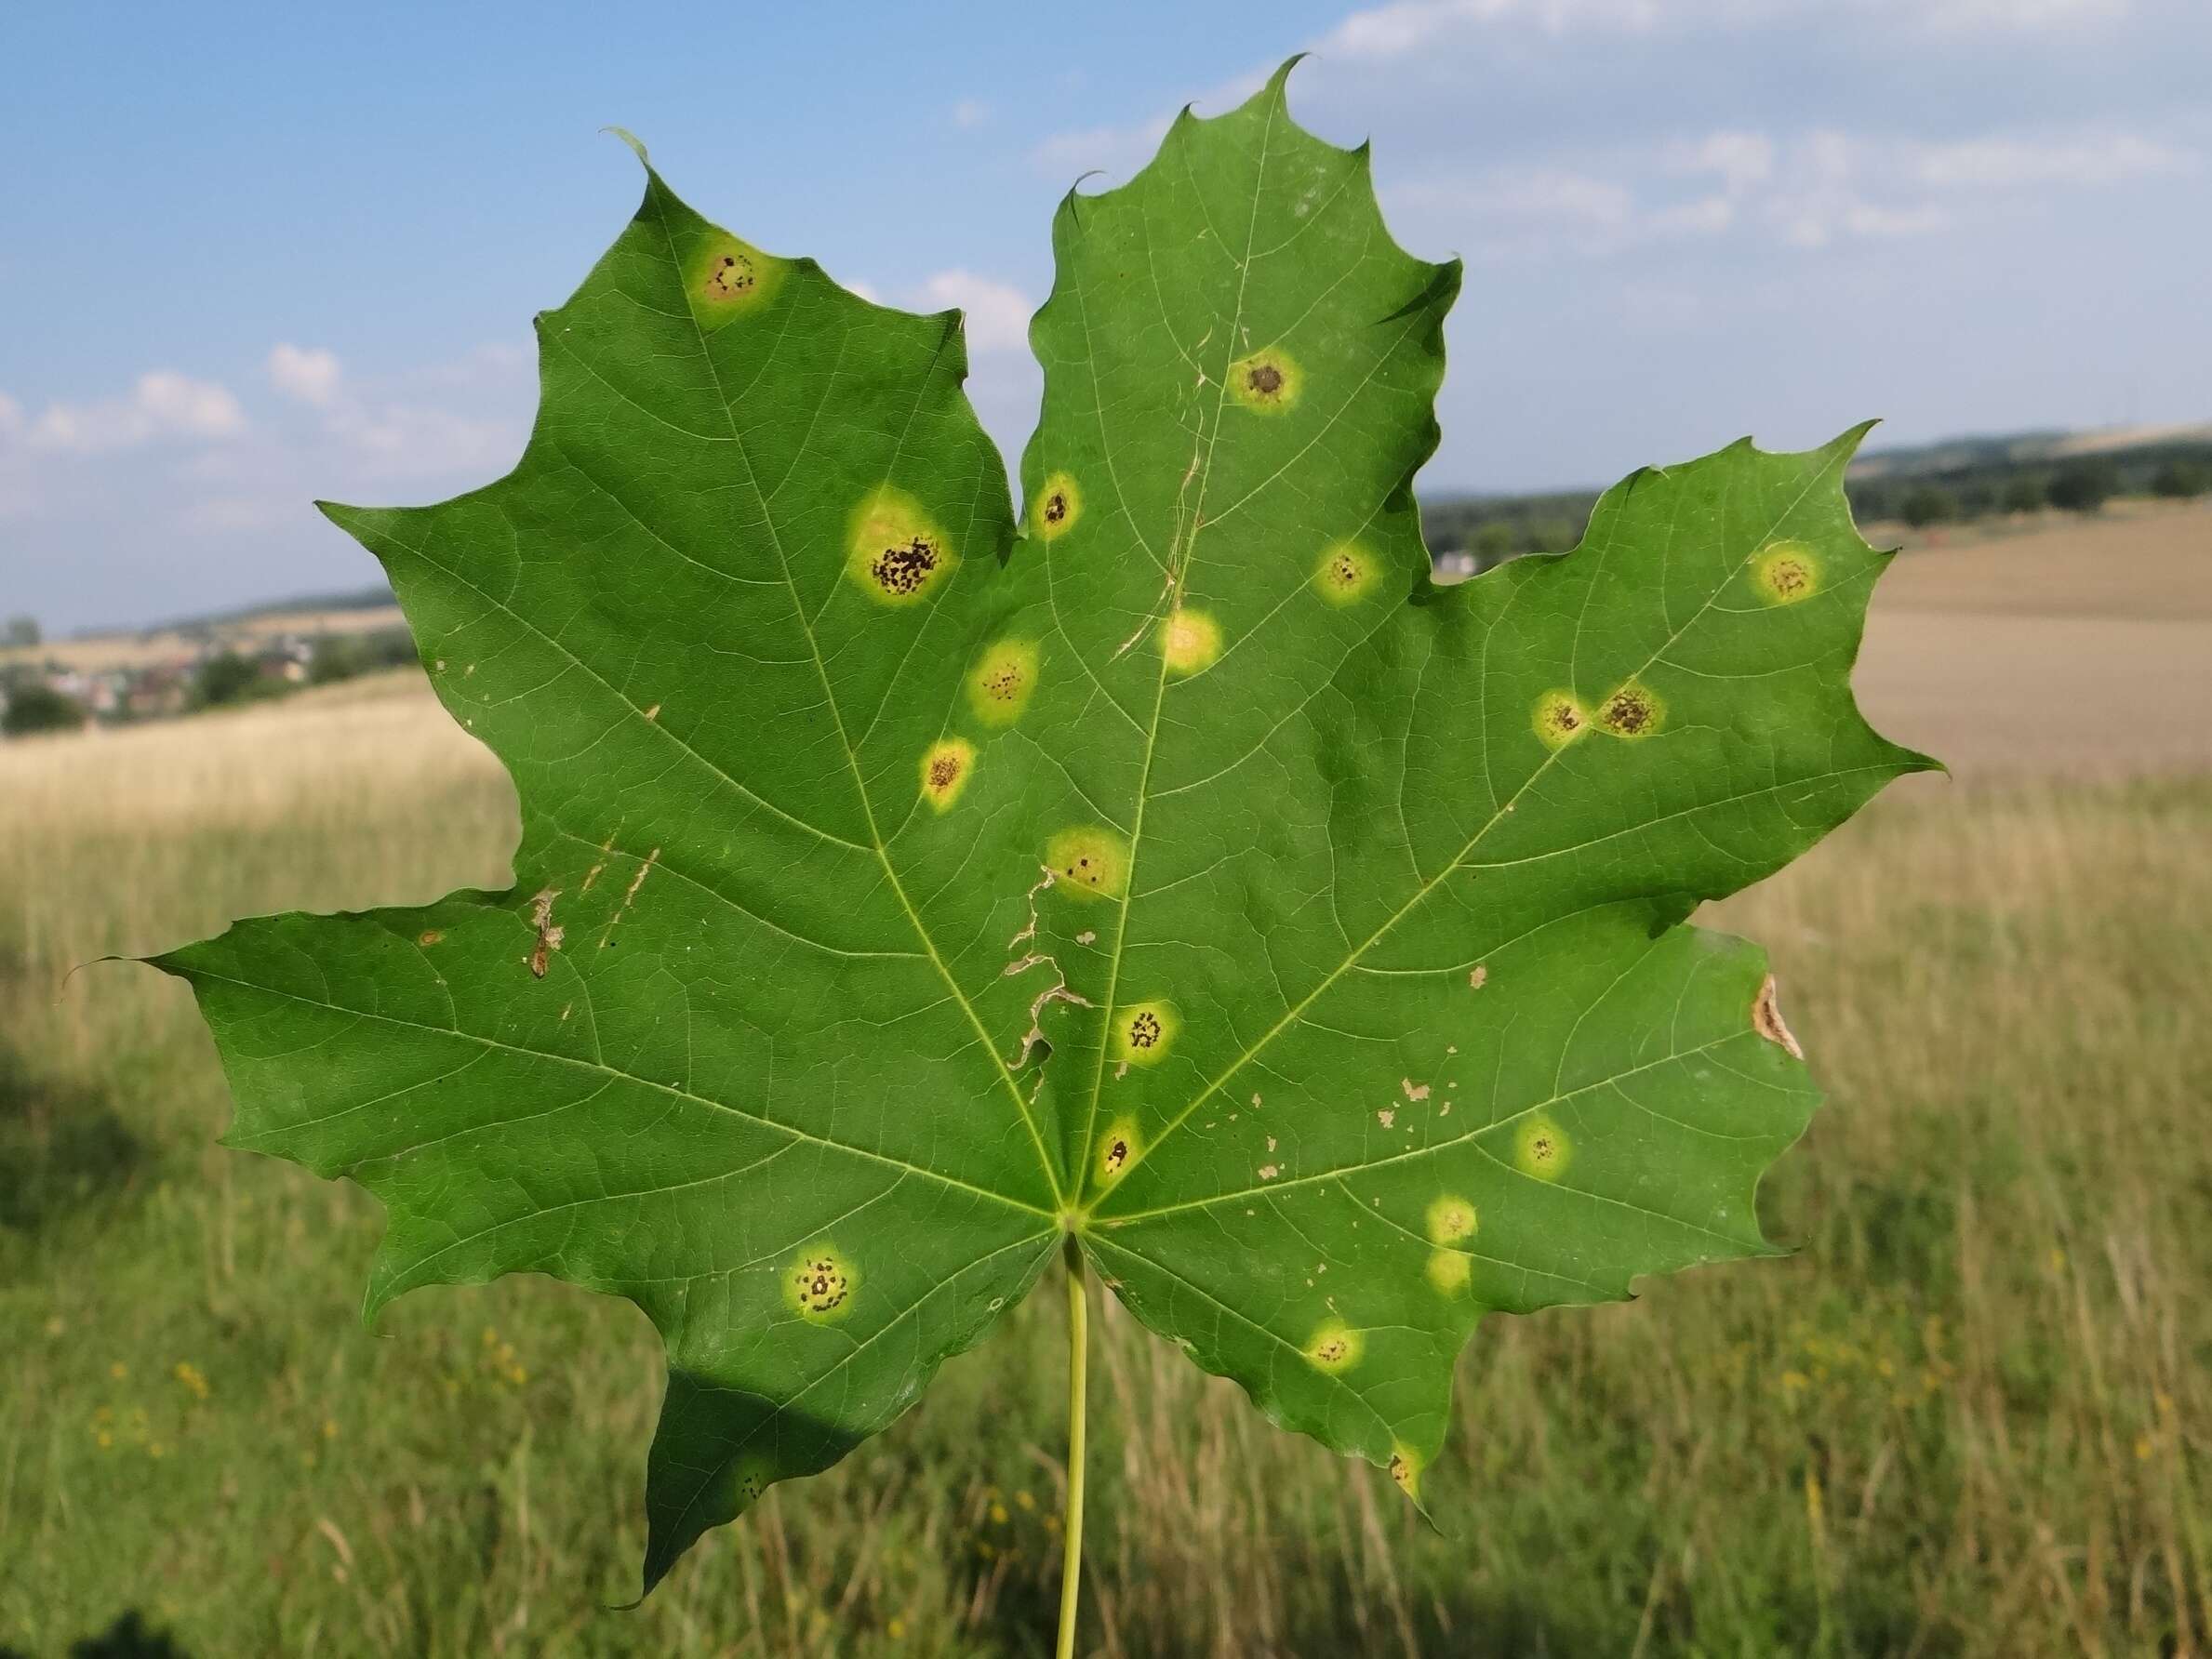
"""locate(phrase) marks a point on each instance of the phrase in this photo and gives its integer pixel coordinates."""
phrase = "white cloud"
(162, 403)
(1972, 15)
(1741, 159)
(310, 374)
(998, 313)
(2003, 162)
(970, 113)
(12, 415)
(1386, 33)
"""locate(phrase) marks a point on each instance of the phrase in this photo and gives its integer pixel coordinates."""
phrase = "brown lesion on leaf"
(428, 936)
(731, 275)
(820, 1284)
(1766, 1019)
(549, 934)
(1632, 711)
(1267, 380)
(629, 897)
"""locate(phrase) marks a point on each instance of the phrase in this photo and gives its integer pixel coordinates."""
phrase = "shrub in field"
(34, 707)
(1926, 505)
(2084, 486)
(1168, 881)
(2180, 480)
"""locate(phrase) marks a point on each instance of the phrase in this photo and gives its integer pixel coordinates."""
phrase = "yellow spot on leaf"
(725, 277)
(999, 686)
(1451, 1219)
(1542, 1148)
(1057, 506)
(1117, 1149)
(1558, 719)
(945, 768)
(1144, 1031)
(1088, 862)
(1632, 711)
(1333, 1348)
(1450, 1271)
(1267, 381)
(1347, 573)
(1785, 572)
(1190, 640)
(820, 1282)
(1405, 1469)
(897, 554)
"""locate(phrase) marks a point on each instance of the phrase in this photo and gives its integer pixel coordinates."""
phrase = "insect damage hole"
(1267, 381)
(945, 769)
(549, 936)
(1143, 1033)
(1786, 572)
(896, 553)
(1632, 712)
(1088, 862)
(1766, 1019)
(820, 1284)
(1333, 1348)
(999, 686)
(1558, 719)
(1057, 508)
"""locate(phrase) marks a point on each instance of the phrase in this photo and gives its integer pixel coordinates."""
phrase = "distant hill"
(379, 597)
(2017, 449)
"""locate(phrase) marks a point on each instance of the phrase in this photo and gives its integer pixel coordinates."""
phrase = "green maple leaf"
(902, 892)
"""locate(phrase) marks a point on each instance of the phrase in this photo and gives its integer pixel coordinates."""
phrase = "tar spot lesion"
(1405, 1470)
(1144, 1031)
(1089, 862)
(1190, 641)
(1558, 719)
(428, 936)
(727, 277)
(1057, 506)
(1347, 572)
(1002, 682)
(1451, 1219)
(1333, 1348)
(1448, 1271)
(946, 766)
(1117, 1151)
(1786, 572)
(1268, 381)
(1632, 711)
(897, 554)
(1542, 1148)
(820, 1284)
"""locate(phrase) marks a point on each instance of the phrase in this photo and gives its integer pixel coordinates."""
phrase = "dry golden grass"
(1968, 1417)
(97, 652)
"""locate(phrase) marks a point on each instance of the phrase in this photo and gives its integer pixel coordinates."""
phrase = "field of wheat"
(1970, 1415)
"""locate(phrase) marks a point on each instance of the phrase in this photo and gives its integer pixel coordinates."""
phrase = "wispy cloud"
(307, 374)
(161, 404)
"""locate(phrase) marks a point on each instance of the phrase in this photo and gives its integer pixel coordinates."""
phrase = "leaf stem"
(1070, 1573)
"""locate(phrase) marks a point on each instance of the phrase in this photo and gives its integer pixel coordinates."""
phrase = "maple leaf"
(904, 891)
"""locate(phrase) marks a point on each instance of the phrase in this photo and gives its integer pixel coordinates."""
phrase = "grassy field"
(1972, 1414)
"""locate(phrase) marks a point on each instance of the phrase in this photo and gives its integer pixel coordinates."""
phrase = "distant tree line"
(1495, 528)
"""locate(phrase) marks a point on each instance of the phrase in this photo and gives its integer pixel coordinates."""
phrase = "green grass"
(1970, 1415)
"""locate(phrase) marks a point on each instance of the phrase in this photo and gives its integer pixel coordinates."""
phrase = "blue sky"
(250, 256)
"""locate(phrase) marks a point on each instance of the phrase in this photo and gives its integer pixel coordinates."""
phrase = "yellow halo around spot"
(1633, 712)
(1088, 862)
(1004, 678)
(1542, 1149)
(1189, 640)
(1558, 719)
(945, 768)
(1267, 381)
(1057, 506)
(1451, 1219)
(725, 277)
(1117, 1149)
(896, 553)
(819, 1284)
(1449, 1270)
(1786, 572)
(1347, 573)
(1144, 1031)
(1334, 1346)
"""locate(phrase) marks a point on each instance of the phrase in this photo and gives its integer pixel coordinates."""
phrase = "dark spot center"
(903, 569)
(942, 771)
(1117, 1154)
(1265, 378)
(1144, 1031)
(1055, 508)
(732, 275)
